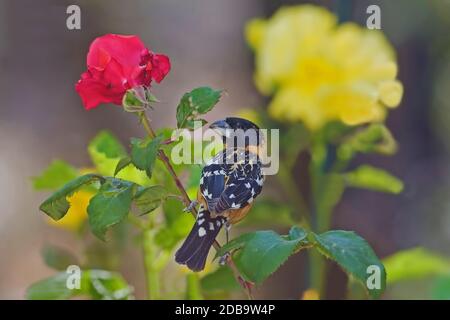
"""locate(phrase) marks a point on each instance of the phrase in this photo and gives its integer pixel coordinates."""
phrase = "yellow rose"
(319, 71)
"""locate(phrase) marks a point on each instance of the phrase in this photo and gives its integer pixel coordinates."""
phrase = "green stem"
(317, 272)
(294, 195)
(193, 288)
(327, 190)
(317, 263)
(151, 270)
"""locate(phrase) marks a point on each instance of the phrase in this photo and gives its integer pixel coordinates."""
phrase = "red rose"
(116, 63)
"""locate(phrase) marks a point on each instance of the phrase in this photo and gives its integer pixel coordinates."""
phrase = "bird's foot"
(191, 206)
(223, 259)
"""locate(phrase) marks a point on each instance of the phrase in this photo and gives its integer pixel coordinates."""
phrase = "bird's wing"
(241, 188)
(212, 184)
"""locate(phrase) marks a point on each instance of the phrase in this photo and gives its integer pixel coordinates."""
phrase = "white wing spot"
(248, 185)
(199, 222)
(207, 194)
(201, 232)
(211, 226)
(232, 196)
(259, 181)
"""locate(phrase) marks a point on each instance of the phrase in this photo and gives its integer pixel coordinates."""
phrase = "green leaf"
(96, 284)
(106, 143)
(57, 205)
(58, 258)
(353, 254)
(110, 205)
(108, 285)
(373, 138)
(177, 225)
(220, 280)
(297, 233)
(105, 151)
(372, 178)
(166, 238)
(198, 101)
(55, 176)
(124, 162)
(130, 100)
(144, 153)
(441, 288)
(263, 252)
(415, 264)
(195, 173)
(52, 288)
(150, 198)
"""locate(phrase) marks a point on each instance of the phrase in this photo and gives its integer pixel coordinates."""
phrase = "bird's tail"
(195, 248)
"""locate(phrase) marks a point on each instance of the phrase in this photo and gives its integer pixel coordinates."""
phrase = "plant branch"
(246, 286)
(152, 273)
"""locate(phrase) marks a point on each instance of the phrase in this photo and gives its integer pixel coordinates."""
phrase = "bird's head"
(238, 130)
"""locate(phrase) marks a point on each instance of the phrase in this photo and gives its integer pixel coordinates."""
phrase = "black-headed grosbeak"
(228, 185)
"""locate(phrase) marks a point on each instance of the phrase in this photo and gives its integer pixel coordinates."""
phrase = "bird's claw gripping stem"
(223, 259)
(191, 206)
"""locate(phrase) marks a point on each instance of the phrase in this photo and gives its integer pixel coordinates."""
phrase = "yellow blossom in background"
(319, 71)
(310, 294)
(77, 212)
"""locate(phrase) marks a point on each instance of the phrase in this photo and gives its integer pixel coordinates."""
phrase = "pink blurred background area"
(42, 118)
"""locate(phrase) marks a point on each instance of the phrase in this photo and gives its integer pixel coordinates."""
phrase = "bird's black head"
(234, 124)
(235, 127)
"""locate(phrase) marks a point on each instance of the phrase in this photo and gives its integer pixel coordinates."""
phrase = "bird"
(229, 183)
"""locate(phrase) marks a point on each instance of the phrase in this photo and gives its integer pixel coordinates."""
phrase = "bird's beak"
(221, 127)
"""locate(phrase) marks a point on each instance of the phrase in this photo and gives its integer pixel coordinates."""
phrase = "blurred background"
(42, 118)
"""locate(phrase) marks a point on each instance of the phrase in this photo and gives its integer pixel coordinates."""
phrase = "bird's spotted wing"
(241, 188)
(212, 183)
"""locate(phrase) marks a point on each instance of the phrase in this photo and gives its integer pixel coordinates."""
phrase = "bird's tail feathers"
(195, 249)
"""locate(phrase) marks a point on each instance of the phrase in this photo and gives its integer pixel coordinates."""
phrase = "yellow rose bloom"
(319, 71)
(77, 212)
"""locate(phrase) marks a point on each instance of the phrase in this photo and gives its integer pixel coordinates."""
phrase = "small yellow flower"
(310, 294)
(77, 212)
(319, 71)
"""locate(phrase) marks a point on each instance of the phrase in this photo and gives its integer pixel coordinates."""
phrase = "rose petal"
(160, 67)
(94, 92)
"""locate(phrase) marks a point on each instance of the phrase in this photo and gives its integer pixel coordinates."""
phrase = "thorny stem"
(246, 286)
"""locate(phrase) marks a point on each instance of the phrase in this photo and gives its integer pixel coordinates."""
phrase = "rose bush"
(338, 81)
(116, 63)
